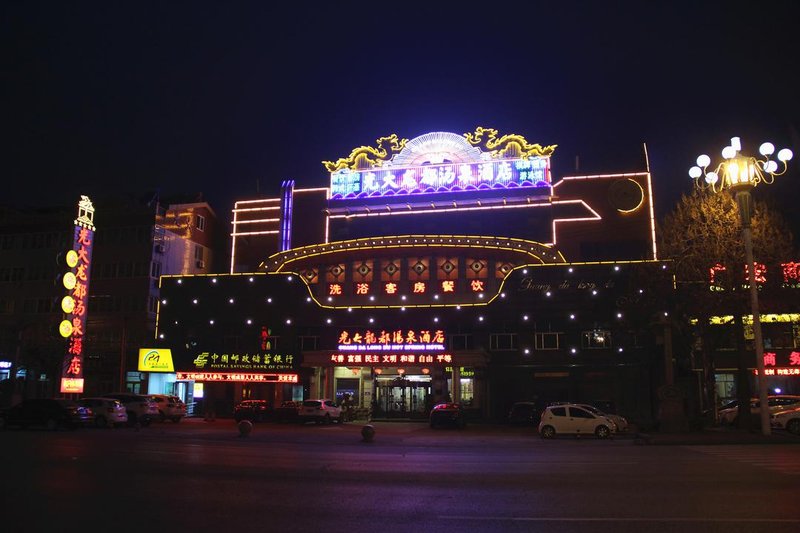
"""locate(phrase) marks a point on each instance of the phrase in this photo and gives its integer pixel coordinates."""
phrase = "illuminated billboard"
(75, 303)
(449, 177)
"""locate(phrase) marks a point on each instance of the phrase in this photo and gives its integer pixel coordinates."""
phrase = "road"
(197, 476)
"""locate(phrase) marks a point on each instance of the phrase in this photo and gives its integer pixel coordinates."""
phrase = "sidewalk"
(717, 435)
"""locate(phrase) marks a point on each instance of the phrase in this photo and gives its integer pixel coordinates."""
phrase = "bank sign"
(530, 172)
(243, 362)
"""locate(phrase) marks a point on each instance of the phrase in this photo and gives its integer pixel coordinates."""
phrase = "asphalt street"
(204, 476)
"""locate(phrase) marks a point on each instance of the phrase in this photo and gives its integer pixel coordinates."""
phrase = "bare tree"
(704, 232)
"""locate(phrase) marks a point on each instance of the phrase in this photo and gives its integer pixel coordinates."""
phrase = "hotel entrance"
(402, 396)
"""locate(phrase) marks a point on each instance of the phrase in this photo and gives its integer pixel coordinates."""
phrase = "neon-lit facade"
(418, 275)
(76, 303)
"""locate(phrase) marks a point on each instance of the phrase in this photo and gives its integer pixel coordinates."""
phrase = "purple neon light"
(451, 177)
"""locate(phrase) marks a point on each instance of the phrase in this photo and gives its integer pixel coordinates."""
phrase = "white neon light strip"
(263, 200)
(236, 222)
(440, 210)
(274, 208)
(652, 216)
(557, 220)
(253, 233)
(233, 243)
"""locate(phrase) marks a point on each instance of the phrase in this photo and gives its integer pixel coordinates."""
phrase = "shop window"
(596, 339)
(460, 341)
(503, 341)
(467, 394)
(725, 386)
(549, 340)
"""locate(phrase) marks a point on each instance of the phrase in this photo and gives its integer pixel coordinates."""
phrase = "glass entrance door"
(401, 397)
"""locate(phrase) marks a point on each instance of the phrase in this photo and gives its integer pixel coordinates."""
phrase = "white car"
(730, 413)
(169, 407)
(326, 411)
(574, 419)
(788, 420)
(619, 421)
(108, 412)
(140, 407)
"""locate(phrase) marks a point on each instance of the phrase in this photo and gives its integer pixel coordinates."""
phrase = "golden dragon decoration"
(512, 145)
(367, 156)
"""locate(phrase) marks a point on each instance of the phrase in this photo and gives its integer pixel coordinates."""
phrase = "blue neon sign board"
(449, 177)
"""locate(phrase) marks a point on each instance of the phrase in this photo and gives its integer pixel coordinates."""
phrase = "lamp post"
(739, 174)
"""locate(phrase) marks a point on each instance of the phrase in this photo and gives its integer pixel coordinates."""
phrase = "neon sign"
(236, 376)
(243, 361)
(529, 172)
(397, 340)
(75, 303)
(390, 359)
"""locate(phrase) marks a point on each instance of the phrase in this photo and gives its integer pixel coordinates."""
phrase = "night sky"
(227, 98)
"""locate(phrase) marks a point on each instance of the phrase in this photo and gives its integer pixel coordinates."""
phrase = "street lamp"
(740, 174)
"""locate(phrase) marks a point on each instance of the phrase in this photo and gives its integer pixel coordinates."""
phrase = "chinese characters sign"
(390, 359)
(397, 340)
(236, 376)
(790, 275)
(249, 362)
(74, 304)
(771, 367)
(532, 172)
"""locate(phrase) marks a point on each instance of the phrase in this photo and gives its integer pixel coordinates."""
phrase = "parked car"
(252, 410)
(288, 411)
(788, 419)
(48, 413)
(448, 414)
(620, 421)
(729, 414)
(525, 413)
(108, 412)
(141, 408)
(169, 407)
(326, 411)
(573, 419)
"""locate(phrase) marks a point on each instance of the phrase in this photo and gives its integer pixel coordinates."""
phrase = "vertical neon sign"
(75, 303)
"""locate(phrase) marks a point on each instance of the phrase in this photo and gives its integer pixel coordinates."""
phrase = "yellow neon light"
(72, 258)
(782, 318)
(257, 201)
(367, 156)
(533, 249)
(641, 200)
(511, 145)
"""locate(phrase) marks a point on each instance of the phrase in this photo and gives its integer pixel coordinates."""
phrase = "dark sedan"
(47, 413)
(252, 410)
(448, 414)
